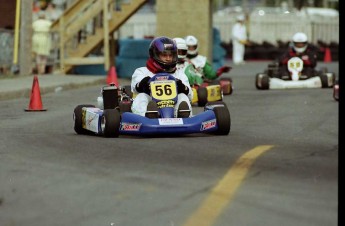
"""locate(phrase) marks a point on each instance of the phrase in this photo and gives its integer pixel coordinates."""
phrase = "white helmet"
(192, 44)
(181, 48)
(300, 42)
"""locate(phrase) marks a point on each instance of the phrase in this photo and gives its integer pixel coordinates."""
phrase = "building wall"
(180, 18)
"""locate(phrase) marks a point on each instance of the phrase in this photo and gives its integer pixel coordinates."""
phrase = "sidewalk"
(21, 86)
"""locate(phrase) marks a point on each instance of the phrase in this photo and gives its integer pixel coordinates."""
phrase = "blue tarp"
(133, 53)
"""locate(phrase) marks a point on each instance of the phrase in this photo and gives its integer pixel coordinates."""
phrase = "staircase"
(83, 27)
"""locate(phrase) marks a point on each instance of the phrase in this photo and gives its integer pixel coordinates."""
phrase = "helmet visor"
(300, 47)
(167, 56)
(182, 52)
(300, 44)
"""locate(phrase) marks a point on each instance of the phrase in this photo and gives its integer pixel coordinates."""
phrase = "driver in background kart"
(194, 77)
(162, 58)
(299, 48)
(200, 62)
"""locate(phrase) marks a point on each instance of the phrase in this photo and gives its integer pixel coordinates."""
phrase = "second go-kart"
(112, 122)
(211, 91)
(271, 79)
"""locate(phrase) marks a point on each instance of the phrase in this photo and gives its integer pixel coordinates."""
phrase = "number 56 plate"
(163, 90)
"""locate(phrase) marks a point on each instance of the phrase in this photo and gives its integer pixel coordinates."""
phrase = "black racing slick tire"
(110, 123)
(202, 96)
(324, 81)
(262, 81)
(227, 90)
(78, 119)
(223, 120)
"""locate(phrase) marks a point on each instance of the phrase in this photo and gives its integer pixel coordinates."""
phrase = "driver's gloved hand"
(222, 70)
(143, 86)
(181, 88)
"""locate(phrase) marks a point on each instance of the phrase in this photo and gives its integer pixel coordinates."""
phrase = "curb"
(26, 92)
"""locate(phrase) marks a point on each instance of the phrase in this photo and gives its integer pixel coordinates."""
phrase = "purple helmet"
(163, 45)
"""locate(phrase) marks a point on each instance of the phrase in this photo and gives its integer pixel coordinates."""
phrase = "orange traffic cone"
(328, 57)
(35, 97)
(112, 76)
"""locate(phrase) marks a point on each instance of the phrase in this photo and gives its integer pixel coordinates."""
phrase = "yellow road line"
(222, 193)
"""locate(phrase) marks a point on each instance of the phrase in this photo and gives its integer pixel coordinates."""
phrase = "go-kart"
(336, 90)
(210, 91)
(272, 79)
(111, 121)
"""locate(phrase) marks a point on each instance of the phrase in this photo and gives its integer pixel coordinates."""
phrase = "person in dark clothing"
(299, 48)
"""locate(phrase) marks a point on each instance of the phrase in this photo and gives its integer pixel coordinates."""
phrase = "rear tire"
(226, 85)
(110, 123)
(202, 96)
(78, 119)
(223, 120)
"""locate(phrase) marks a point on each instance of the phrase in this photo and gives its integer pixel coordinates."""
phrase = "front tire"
(223, 120)
(324, 81)
(262, 81)
(110, 123)
(78, 119)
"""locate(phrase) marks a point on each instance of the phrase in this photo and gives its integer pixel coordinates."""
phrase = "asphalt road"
(278, 165)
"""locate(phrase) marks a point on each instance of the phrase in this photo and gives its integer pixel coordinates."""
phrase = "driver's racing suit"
(309, 58)
(141, 100)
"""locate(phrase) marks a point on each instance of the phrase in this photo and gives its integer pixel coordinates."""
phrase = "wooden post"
(62, 47)
(112, 50)
(25, 46)
(202, 29)
(106, 35)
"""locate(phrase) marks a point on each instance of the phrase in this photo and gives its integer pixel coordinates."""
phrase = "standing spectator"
(239, 40)
(36, 8)
(52, 12)
(41, 41)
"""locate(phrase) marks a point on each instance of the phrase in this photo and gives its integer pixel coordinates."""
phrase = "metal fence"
(269, 28)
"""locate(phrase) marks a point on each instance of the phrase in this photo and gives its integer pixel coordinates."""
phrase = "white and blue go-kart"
(111, 122)
(271, 79)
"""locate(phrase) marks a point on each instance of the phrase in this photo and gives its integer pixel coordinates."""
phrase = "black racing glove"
(181, 88)
(143, 86)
